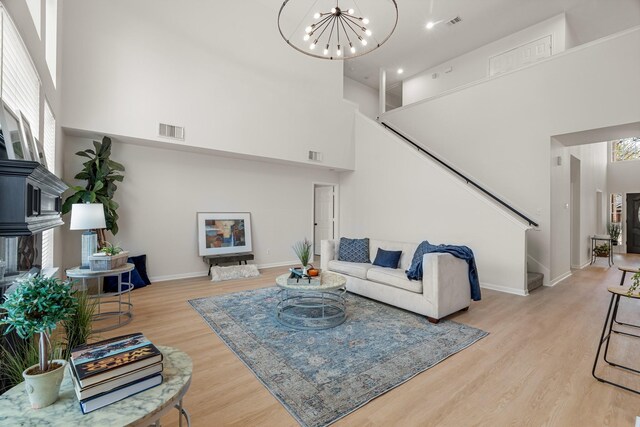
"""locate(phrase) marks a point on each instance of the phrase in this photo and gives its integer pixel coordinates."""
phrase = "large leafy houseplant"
(101, 174)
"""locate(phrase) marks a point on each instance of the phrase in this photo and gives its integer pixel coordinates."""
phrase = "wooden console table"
(226, 258)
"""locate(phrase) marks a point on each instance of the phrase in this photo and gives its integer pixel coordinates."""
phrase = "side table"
(124, 309)
(594, 241)
(141, 409)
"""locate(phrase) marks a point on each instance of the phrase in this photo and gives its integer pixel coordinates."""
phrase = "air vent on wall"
(454, 20)
(171, 131)
(315, 156)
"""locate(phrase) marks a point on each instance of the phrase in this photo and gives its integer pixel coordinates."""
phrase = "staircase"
(534, 280)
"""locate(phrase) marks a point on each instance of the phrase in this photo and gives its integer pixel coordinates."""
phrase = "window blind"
(49, 142)
(20, 82)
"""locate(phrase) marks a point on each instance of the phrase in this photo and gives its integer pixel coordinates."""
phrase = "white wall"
(624, 177)
(130, 65)
(366, 97)
(498, 131)
(474, 66)
(397, 194)
(593, 178)
(163, 189)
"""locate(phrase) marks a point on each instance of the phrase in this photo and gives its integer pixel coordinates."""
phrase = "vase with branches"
(101, 174)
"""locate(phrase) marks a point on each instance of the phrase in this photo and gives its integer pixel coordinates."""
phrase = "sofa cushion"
(387, 259)
(353, 250)
(395, 277)
(408, 249)
(355, 269)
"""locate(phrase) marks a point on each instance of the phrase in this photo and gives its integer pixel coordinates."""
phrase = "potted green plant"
(302, 249)
(602, 250)
(635, 286)
(614, 231)
(35, 307)
(101, 174)
(108, 258)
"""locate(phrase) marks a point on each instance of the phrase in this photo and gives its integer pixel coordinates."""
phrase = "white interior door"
(323, 216)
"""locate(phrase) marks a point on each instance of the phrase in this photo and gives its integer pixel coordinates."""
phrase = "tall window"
(626, 149)
(49, 143)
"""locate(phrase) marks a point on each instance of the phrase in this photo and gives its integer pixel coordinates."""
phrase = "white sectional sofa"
(443, 290)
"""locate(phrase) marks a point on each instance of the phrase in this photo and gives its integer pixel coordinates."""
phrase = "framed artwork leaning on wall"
(222, 233)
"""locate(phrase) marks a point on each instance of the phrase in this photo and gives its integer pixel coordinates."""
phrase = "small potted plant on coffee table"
(36, 306)
(302, 250)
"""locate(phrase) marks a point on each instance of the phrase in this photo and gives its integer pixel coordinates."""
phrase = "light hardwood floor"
(533, 369)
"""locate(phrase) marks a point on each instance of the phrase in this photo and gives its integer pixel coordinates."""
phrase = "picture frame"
(12, 134)
(221, 233)
(28, 140)
(42, 158)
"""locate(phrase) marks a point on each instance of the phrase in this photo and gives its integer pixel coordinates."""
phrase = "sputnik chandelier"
(332, 29)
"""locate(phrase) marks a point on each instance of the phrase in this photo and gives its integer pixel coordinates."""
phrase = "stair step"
(534, 280)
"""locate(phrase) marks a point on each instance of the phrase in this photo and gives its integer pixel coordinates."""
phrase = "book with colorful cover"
(103, 360)
(127, 390)
(113, 383)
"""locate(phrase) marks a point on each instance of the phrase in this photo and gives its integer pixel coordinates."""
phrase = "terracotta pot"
(43, 389)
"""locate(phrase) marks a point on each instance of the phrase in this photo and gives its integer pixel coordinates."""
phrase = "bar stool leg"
(602, 338)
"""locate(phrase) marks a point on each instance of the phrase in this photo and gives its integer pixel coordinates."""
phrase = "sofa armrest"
(327, 253)
(445, 282)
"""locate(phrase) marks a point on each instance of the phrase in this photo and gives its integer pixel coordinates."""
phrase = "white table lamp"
(87, 216)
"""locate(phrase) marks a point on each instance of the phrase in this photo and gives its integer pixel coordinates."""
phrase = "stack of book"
(111, 370)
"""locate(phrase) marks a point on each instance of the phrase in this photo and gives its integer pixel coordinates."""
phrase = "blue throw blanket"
(415, 271)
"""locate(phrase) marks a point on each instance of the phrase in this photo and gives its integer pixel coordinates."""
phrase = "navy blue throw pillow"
(139, 278)
(140, 262)
(387, 259)
(354, 250)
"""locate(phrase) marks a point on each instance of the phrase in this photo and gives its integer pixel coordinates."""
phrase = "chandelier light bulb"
(336, 31)
(430, 25)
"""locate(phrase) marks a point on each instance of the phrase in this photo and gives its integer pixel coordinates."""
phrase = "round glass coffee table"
(312, 307)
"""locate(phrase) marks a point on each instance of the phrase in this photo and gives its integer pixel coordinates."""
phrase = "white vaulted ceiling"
(414, 48)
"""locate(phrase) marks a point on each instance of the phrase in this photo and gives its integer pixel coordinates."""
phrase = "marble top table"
(328, 282)
(141, 409)
(312, 307)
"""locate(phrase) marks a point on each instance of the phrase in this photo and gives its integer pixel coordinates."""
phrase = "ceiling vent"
(171, 131)
(316, 156)
(454, 21)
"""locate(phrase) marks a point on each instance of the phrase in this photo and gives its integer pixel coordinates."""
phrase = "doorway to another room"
(324, 214)
(633, 223)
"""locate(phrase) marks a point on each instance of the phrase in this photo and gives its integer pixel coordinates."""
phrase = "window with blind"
(21, 94)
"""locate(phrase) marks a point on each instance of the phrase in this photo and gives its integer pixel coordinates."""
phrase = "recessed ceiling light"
(400, 71)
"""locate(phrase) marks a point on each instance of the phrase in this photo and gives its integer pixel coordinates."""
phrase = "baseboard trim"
(206, 272)
(581, 266)
(559, 279)
(154, 279)
(279, 264)
(522, 293)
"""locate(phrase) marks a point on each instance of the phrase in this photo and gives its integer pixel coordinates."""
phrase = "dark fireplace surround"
(30, 203)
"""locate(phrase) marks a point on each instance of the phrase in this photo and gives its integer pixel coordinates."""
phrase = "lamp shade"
(85, 216)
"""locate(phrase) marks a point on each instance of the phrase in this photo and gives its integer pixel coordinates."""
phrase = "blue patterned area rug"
(321, 376)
